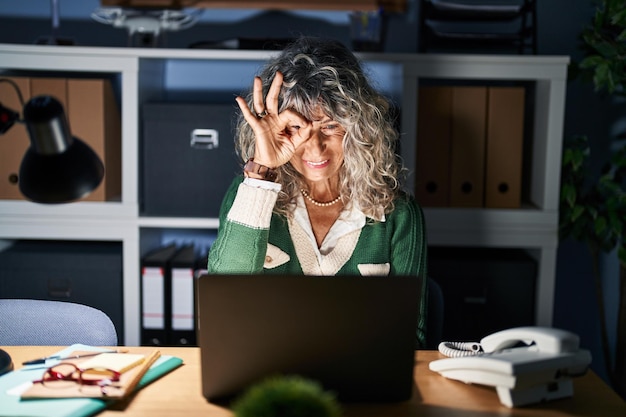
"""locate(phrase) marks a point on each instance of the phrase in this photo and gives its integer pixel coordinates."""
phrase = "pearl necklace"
(319, 203)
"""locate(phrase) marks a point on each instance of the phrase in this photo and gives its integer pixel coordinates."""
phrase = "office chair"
(434, 320)
(54, 323)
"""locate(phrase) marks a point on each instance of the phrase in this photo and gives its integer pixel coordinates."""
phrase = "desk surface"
(179, 394)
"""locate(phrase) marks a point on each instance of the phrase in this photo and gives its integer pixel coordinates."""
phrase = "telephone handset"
(544, 338)
(525, 364)
(549, 340)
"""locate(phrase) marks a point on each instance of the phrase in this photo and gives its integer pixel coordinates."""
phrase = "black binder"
(183, 318)
(155, 296)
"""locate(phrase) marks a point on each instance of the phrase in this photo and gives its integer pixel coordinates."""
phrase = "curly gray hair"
(324, 73)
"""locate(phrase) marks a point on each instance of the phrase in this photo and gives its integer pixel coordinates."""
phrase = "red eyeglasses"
(65, 374)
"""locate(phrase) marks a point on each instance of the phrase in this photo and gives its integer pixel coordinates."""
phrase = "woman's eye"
(333, 129)
(292, 130)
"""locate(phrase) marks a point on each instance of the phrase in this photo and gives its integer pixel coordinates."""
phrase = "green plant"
(604, 47)
(286, 396)
(593, 209)
(594, 212)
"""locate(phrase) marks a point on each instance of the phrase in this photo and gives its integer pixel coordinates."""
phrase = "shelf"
(362, 5)
(458, 25)
(523, 228)
(179, 222)
(146, 75)
(455, 12)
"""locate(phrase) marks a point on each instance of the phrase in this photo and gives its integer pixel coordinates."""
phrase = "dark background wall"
(559, 24)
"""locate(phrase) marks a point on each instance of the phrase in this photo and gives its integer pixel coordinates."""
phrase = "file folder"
(183, 318)
(155, 299)
(37, 86)
(55, 87)
(14, 142)
(467, 163)
(95, 118)
(505, 137)
(432, 171)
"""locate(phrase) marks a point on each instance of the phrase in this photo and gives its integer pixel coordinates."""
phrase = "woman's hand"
(278, 135)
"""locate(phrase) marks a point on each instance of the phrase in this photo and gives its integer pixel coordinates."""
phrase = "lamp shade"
(57, 168)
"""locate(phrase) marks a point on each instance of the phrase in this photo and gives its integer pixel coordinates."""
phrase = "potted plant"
(286, 396)
(593, 210)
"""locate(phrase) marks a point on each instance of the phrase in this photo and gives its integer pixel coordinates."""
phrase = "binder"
(55, 87)
(183, 318)
(155, 300)
(432, 171)
(94, 118)
(505, 137)
(14, 142)
(467, 162)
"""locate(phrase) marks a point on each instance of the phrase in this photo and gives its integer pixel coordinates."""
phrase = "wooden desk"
(179, 394)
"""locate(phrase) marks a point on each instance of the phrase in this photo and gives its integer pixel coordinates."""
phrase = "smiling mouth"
(319, 164)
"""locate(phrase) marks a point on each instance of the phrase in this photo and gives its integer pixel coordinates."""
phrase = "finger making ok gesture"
(277, 134)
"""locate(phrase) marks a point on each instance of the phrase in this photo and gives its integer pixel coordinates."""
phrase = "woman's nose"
(316, 141)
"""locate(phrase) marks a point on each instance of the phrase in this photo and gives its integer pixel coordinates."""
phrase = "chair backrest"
(54, 323)
(434, 320)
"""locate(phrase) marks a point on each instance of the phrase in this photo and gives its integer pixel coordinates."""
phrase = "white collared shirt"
(350, 220)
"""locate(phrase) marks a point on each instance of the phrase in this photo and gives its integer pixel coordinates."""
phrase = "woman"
(320, 194)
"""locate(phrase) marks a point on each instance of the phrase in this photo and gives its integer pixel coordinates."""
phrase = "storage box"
(189, 158)
(484, 290)
(80, 272)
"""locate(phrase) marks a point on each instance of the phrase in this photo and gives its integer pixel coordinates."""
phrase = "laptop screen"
(354, 335)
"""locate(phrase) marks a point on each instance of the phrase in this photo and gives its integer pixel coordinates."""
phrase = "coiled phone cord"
(460, 349)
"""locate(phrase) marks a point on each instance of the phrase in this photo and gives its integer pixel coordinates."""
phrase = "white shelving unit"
(534, 228)
(163, 74)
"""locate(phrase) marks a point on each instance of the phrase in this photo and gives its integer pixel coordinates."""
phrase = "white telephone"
(527, 365)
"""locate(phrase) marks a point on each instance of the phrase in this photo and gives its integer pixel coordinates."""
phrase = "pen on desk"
(57, 357)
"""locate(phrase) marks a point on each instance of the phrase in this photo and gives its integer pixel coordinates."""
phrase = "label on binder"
(152, 280)
(182, 299)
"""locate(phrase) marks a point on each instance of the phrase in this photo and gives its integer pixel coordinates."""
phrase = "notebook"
(354, 335)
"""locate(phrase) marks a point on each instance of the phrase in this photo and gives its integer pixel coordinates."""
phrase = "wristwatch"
(267, 173)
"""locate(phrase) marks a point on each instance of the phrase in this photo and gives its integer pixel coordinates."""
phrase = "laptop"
(353, 335)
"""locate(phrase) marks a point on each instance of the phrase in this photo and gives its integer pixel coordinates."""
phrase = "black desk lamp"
(57, 167)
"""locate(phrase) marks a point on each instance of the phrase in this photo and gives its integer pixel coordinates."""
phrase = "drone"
(147, 23)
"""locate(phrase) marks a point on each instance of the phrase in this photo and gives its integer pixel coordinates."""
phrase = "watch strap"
(266, 173)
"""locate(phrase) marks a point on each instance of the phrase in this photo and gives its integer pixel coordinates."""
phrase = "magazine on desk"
(19, 396)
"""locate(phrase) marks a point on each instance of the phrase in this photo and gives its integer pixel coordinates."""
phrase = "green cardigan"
(252, 239)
